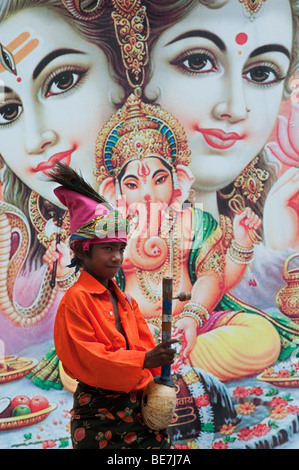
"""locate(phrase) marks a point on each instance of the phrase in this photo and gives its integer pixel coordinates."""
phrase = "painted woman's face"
(222, 76)
(147, 181)
(53, 108)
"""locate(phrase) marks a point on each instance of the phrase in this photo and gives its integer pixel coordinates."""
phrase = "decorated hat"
(92, 218)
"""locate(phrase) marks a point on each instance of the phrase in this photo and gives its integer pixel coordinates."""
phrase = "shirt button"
(110, 313)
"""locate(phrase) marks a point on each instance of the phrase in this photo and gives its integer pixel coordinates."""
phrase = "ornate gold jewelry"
(239, 254)
(132, 31)
(138, 131)
(252, 6)
(68, 280)
(150, 281)
(251, 181)
(45, 234)
(196, 311)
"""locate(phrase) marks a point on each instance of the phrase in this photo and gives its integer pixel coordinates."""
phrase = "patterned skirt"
(112, 420)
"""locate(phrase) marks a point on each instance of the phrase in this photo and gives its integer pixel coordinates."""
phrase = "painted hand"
(188, 327)
(59, 253)
(281, 212)
(245, 224)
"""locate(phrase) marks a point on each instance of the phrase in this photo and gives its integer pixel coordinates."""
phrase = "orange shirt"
(90, 347)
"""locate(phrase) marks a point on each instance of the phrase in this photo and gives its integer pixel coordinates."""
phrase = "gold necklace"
(149, 281)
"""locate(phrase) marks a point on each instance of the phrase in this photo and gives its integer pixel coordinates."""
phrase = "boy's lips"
(64, 157)
(219, 139)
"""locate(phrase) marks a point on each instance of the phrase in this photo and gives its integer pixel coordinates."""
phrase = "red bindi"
(241, 39)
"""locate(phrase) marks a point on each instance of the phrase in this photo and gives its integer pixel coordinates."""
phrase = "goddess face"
(53, 108)
(222, 76)
(147, 181)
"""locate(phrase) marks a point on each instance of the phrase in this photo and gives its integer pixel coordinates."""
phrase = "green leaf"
(229, 439)
(272, 392)
(64, 443)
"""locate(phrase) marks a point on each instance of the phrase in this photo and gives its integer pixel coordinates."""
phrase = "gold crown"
(137, 131)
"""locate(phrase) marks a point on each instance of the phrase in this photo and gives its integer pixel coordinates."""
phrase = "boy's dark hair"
(88, 252)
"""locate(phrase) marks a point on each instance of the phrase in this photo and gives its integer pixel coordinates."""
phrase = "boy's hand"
(161, 355)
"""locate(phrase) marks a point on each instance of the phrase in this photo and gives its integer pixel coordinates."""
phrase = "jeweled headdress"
(138, 130)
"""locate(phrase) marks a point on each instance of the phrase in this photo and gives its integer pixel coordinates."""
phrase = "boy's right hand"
(161, 355)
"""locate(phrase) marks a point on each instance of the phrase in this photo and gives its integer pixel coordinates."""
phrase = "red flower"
(79, 434)
(220, 445)
(283, 373)
(245, 434)
(256, 391)
(85, 399)
(48, 444)
(130, 437)
(104, 413)
(278, 401)
(261, 430)
(241, 392)
(293, 409)
(203, 400)
(103, 438)
(126, 415)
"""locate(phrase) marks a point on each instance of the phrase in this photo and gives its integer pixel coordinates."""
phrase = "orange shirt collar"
(95, 287)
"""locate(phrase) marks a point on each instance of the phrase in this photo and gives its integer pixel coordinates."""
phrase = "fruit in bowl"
(21, 410)
(38, 403)
(20, 400)
(22, 405)
(5, 408)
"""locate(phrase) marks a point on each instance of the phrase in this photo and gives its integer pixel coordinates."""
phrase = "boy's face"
(104, 260)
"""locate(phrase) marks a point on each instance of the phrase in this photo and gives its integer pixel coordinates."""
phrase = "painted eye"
(263, 75)
(196, 63)
(63, 81)
(161, 179)
(131, 185)
(9, 113)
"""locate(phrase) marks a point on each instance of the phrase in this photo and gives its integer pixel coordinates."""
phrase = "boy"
(100, 334)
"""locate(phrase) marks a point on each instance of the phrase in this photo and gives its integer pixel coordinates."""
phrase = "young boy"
(100, 334)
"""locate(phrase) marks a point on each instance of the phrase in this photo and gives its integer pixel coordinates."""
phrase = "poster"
(206, 93)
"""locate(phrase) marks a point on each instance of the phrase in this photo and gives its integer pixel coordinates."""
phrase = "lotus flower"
(286, 149)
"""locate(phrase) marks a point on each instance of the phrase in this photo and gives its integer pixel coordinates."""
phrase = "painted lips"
(64, 157)
(219, 139)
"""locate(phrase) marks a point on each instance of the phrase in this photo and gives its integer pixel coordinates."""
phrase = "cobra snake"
(13, 220)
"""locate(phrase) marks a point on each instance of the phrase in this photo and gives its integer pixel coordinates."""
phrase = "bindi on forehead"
(241, 39)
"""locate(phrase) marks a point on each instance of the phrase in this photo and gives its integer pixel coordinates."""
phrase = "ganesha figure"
(141, 163)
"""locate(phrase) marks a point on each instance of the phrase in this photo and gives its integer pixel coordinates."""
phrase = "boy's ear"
(107, 189)
(78, 250)
(185, 180)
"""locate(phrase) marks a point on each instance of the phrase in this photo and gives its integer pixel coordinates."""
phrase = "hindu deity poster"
(185, 115)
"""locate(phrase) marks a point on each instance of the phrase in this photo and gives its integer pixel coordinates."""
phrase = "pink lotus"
(286, 149)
